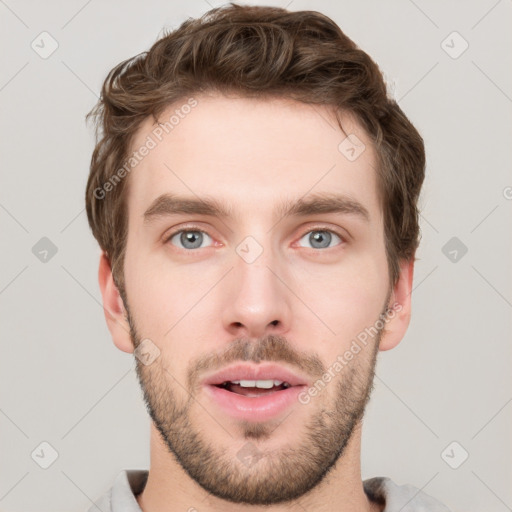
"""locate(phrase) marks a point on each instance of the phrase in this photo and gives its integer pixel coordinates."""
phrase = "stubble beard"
(274, 476)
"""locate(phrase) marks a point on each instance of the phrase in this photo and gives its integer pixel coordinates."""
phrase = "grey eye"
(189, 239)
(320, 239)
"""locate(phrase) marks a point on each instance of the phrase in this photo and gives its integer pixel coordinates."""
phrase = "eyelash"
(316, 228)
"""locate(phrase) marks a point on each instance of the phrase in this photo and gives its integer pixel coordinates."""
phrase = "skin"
(192, 303)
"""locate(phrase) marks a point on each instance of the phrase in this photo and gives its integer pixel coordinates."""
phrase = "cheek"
(154, 297)
(348, 298)
(171, 304)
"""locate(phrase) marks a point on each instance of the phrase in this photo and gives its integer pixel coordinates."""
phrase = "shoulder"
(120, 497)
(403, 498)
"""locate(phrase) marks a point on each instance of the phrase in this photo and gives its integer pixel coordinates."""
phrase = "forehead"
(251, 153)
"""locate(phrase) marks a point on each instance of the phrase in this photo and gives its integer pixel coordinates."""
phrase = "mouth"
(253, 388)
(254, 392)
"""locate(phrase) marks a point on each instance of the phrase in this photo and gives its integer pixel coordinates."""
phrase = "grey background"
(63, 382)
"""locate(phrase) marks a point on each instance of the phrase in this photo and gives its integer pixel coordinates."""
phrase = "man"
(254, 191)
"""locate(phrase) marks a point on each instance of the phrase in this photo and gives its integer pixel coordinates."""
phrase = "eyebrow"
(170, 204)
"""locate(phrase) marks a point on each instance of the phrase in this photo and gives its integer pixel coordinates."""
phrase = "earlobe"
(113, 307)
(399, 307)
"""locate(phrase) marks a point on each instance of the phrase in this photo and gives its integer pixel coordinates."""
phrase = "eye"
(320, 238)
(189, 238)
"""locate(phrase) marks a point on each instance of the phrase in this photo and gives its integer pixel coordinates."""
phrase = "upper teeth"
(265, 384)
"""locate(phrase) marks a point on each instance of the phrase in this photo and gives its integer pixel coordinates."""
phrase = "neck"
(170, 489)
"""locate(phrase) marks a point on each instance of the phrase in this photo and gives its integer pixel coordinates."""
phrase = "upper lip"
(255, 372)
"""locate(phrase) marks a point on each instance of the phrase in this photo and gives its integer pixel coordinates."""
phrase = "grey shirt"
(396, 498)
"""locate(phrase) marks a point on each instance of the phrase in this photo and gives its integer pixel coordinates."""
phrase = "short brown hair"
(255, 51)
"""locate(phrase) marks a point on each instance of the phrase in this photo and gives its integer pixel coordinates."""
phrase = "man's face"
(258, 295)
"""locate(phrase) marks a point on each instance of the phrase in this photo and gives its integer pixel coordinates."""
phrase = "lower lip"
(258, 408)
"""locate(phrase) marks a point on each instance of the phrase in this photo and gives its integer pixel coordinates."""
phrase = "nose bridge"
(259, 300)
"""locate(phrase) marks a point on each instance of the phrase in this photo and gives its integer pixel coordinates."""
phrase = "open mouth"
(254, 388)
(254, 393)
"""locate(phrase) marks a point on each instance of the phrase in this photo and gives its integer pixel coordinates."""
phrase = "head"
(254, 192)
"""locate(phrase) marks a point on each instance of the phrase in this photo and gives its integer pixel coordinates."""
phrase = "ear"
(400, 307)
(113, 307)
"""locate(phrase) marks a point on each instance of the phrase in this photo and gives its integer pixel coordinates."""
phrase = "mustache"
(271, 348)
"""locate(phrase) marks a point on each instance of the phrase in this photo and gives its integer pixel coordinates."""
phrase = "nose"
(257, 300)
